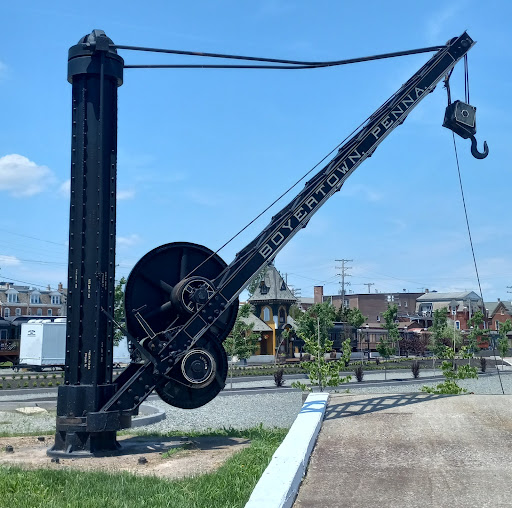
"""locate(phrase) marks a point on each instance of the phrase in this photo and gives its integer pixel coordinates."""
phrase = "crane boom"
(205, 301)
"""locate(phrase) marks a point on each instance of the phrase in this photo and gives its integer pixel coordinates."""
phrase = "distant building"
(272, 300)
(373, 305)
(17, 301)
(497, 313)
(460, 306)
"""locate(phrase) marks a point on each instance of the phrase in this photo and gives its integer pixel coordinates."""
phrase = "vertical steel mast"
(96, 71)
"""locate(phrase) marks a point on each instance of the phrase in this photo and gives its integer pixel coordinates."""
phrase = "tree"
(242, 342)
(476, 334)
(313, 328)
(503, 344)
(386, 345)
(119, 311)
(451, 374)
(439, 332)
(255, 282)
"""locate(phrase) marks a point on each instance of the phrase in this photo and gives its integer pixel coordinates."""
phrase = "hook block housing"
(460, 118)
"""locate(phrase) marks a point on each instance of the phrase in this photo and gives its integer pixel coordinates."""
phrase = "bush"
(279, 377)
(358, 371)
(483, 363)
(415, 369)
(34, 384)
(25, 384)
(50, 383)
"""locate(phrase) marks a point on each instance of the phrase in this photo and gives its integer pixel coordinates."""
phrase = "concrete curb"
(147, 414)
(279, 484)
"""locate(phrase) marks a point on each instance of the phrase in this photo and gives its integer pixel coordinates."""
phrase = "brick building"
(16, 301)
(372, 305)
(497, 313)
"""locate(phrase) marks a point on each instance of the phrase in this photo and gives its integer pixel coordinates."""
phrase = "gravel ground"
(273, 409)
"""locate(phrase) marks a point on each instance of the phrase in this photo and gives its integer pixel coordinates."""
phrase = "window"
(35, 298)
(283, 286)
(263, 288)
(18, 312)
(378, 319)
(457, 325)
(405, 303)
(266, 314)
(502, 312)
(390, 298)
(497, 325)
(7, 312)
(39, 312)
(49, 313)
(55, 299)
(399, 303)
(3, 334)
(12, 297)
(282, 316)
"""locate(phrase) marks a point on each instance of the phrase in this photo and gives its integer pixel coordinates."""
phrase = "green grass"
(230, 486)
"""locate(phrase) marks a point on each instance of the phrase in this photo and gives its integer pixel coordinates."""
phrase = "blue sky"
(202, 152)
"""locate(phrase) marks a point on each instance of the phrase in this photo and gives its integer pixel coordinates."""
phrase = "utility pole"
(343, 274)
(369, 284)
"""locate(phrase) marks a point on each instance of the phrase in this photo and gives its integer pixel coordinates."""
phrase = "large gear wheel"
(150, 289)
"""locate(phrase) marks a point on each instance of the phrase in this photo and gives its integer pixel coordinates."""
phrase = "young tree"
(313, 328)
(119, 311)
(476, 334)
(451, 374)
(242, 342)
(386, 345)
(503, 345)
(439, 332)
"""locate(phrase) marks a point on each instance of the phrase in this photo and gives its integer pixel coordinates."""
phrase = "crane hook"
(474, 149)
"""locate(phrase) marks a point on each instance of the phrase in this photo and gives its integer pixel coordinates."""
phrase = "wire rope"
(473, 250)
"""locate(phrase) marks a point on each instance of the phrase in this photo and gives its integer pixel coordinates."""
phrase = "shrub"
(415, 369)
(42, 383)
(54, 376)
(34, 384)
(359, 372)
(483, 363)
(50, 383)
(8, 385)
(25, 384)
(279, 377)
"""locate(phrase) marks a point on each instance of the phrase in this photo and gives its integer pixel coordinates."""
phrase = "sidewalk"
(412, 450)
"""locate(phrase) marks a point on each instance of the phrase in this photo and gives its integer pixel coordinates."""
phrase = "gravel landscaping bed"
(237, 411)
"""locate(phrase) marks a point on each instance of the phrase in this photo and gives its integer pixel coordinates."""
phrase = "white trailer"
(43, 345)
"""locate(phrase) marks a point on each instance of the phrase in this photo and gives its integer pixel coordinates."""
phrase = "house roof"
(493, 306)
(272, 288)
(257, 324)
(437, 297)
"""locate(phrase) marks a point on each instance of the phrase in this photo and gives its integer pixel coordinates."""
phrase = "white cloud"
(128, 241)
(9, 261)
(22, 177)
(125, 194)
(65, 188)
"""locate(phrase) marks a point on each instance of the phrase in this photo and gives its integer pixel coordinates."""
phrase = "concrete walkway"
(412, 450)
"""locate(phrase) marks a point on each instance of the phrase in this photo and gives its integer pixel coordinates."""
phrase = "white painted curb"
(279, 484)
